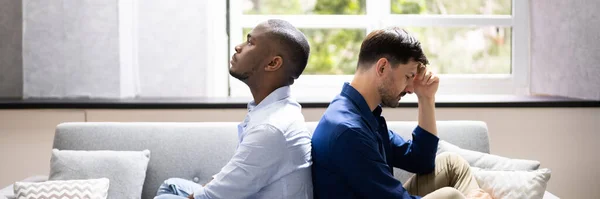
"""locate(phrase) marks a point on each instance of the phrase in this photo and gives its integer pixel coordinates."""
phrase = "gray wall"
(565, 48)
(11, 62)
(71, 48)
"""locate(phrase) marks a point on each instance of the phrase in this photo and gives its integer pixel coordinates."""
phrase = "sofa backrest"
(196, 151)
(193, 151)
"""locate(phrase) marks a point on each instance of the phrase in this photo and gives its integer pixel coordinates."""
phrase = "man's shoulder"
(337, 121)
(343, 114)
(278, 109)
(340, 123)
(284, 115)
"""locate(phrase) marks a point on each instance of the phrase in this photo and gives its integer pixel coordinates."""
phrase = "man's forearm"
(427, 115)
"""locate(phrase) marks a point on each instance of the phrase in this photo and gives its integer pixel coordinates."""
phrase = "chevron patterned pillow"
(63, 189)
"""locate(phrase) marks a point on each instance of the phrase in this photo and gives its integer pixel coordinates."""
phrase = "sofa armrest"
(8, 192)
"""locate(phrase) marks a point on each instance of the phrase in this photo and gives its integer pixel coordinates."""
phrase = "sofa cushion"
(126, 170)
(488, 161)
(513, 184)
(67, 189)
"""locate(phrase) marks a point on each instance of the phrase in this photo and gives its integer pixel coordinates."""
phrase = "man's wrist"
(426, 99)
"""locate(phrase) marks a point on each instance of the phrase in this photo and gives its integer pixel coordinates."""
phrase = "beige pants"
(451, 178)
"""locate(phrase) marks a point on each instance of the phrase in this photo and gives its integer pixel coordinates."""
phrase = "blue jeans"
(176, 188)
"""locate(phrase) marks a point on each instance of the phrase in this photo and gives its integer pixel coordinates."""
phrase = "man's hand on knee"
(478, 194)
(191, 196)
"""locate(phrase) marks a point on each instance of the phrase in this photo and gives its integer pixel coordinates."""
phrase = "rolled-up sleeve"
(418, 155)
(252, 167)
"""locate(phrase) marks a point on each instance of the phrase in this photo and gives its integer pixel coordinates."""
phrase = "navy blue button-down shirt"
(354, 152)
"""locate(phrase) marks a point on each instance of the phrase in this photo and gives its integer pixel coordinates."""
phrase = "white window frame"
(378, 15)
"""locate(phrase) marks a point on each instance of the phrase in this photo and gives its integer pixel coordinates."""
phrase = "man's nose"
(238, 48)
(409, 89)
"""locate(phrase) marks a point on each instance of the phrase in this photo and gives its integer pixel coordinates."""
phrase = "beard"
(239, 76)
(387, 97)
(243, 76)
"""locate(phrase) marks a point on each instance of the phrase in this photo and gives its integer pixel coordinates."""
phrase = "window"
(478, 46)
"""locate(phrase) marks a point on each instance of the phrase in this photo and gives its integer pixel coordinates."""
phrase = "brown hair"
(395, 44)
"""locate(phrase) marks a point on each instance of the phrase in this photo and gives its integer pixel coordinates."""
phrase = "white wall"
(563, 139)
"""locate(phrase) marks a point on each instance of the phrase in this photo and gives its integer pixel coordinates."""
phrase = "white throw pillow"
(513, 184)
(488, 161)
(64, 189)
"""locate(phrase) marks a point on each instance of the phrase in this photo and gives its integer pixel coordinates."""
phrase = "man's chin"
(238, 76)
(391, 105)
(396, 103)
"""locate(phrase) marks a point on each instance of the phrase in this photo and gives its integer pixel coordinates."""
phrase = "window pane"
(332, 51)
(461, 50)
(485, 7)
(288, 7)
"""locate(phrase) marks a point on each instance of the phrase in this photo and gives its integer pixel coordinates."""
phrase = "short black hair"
(294, 46)
(394, 43)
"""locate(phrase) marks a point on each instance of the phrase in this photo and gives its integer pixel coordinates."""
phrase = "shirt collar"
(359, 101)
(276, 95)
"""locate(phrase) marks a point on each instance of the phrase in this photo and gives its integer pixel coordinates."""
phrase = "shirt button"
(196, 179)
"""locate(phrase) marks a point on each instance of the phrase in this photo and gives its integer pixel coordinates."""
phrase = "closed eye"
(412, 75)
(248, 39)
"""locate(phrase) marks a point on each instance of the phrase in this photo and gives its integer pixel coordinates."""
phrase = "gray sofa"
(206, 147)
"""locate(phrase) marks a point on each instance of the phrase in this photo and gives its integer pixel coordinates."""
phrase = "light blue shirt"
(273, 158)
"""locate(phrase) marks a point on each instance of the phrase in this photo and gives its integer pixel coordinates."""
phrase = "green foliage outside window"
(451, 50)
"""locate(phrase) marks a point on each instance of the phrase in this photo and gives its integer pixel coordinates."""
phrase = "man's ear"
(380, 66)
(274, 64)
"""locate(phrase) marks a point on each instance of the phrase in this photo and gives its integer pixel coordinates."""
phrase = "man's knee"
(451, 159)
(168, 196)
(168, 186)
(447, 156)
(445, 193)
(174, 181)
(450, 193)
